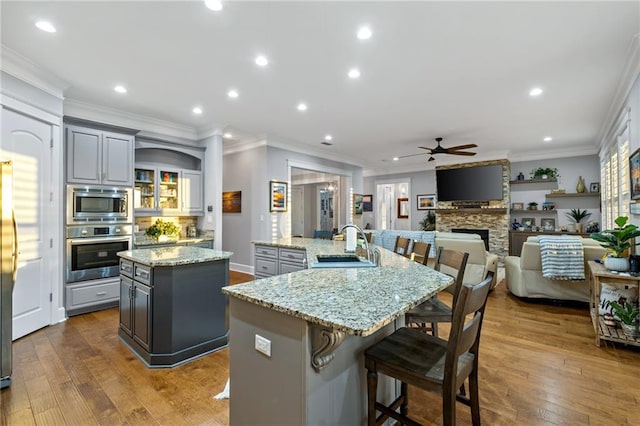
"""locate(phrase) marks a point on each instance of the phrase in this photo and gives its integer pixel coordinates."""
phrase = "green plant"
(160, 227)
(577, 215)
(617, 240)
(428, 223)
(533, 205)
(552, 173)
(627, 313)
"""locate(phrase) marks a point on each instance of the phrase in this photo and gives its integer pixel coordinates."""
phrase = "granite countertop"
(173, 256)
(144, 240)
(358, 301)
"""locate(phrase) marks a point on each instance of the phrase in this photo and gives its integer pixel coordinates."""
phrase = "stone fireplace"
(492, 219)
(484, 234)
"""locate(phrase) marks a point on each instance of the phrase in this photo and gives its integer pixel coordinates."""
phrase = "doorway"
(387, 195)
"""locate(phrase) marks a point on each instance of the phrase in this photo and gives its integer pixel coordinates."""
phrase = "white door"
(26, 142)
(297, 211)
(385, 208)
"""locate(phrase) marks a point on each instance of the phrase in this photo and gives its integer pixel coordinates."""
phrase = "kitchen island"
(296, 352)
(171, 305)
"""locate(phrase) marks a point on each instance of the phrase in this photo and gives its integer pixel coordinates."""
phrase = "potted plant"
(163, 231)
(545, 173)
(533, 205)
(428, 223)
(617, 241)
(628, 316)
(577, 215)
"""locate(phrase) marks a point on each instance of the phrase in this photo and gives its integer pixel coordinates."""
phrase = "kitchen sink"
(341, 261)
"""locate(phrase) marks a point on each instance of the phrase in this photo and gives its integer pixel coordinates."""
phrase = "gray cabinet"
(136, 302)
(98, 157)
(171, 314)
(192, 191)
(88, 296)
(270, 261)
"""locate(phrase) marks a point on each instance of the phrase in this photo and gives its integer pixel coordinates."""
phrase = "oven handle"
(79, 241)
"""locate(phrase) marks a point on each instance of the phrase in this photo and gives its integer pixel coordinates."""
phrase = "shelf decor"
(277, 196)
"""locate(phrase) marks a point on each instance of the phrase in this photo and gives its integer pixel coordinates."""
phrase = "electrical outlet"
(263, 345)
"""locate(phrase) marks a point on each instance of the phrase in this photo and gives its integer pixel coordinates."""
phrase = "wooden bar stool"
(401, 246)
(434, 364)
(420, 252)
(433, 311)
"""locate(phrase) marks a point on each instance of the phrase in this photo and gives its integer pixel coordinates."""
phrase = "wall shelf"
(517, 182)
(525, 211)
(573, 194)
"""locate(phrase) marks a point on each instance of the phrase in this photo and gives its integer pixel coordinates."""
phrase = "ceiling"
(459, 70)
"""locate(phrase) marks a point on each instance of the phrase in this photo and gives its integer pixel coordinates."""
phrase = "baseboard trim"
(239, 267)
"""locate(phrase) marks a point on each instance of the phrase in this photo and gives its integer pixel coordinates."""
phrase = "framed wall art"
(548, 224)
(634, 173)
(426, 201)
(277, 196)
(594, 187)
(357, 204)
(367, 203)
(232, 202)
(403, 208)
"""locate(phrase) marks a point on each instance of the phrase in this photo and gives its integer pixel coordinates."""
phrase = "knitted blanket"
(562, 257)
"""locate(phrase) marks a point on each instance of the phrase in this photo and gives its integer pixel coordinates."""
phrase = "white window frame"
(614, 173)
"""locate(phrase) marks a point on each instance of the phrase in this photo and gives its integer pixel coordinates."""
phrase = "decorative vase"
(163, 238)
(630, 330)
(580, 188)
(579, 228)
(619, 264)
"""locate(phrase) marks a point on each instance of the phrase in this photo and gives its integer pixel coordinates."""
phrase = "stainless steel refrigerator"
(8, 263)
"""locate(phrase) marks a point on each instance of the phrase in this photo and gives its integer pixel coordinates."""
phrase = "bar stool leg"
(372, 388)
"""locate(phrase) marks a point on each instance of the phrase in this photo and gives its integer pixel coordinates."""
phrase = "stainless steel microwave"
(87, 204)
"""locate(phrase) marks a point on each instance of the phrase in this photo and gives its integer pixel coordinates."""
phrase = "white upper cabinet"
(98, 157)
(192, 191)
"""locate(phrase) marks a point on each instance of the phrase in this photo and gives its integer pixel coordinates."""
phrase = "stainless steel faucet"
(370, 253)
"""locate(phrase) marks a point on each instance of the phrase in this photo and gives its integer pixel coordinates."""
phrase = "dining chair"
(401, 246)
(431, 363)
(420, 252)
(433, 311)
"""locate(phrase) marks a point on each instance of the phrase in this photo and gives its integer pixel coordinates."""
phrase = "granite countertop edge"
(173, 256)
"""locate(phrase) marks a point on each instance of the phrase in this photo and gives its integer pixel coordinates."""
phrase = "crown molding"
(232, 147)
(115, 117)
(630, 74)
(28, 71)
(278, 142)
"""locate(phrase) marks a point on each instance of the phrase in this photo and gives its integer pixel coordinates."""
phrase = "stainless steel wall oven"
(92, 250)
(87, 204)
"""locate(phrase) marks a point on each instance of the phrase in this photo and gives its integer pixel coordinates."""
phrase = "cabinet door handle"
(264, 267)
(101, 293)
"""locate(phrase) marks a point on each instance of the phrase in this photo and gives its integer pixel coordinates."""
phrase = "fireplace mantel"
(497, 210)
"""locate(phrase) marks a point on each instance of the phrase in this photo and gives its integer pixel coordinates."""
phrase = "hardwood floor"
(538, 366)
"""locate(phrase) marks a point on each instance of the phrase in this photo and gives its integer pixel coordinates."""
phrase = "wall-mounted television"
(478, 183)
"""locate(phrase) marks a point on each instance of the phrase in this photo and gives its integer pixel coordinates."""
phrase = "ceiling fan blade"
(424, 147)
(471, 145)
(461, 153)
(412, 155)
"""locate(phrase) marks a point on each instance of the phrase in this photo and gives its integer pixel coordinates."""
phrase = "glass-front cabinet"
(144, 195)
(166, 190)
(169, 189)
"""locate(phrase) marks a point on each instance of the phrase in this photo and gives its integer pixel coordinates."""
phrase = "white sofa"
(524, 274)
(480, 261)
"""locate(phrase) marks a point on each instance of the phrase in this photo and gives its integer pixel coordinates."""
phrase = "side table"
(598, 275)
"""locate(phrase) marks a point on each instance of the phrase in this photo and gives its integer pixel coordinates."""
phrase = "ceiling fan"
(454, 150)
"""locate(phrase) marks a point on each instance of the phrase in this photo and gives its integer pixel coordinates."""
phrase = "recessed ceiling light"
(364, 33)
(232, 93)
(197, 110)
(120, 89)
(228, 135)
(536, 91)
(548, 139)
(262, 61)
(302, 107)
(328, 137)
(396, 158)
(46, 26)
(354, 73)
(215, 5)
